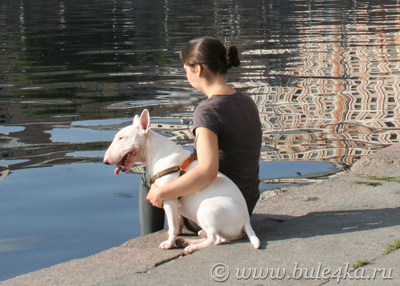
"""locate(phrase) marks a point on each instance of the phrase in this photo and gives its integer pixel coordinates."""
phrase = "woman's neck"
(218, 87)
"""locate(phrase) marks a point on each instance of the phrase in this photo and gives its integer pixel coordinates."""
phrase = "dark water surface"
(324, 74)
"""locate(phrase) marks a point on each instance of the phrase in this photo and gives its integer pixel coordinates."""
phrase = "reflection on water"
(324, 74)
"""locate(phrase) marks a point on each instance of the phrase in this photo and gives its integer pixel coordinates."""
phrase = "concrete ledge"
(135, 256)
(329, 225)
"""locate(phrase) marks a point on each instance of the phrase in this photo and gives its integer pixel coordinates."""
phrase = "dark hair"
(211, 53)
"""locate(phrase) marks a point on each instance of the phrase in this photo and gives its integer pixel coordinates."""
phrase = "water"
(324, 74)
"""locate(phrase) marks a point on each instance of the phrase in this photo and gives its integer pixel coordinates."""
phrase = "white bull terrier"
(219, 209)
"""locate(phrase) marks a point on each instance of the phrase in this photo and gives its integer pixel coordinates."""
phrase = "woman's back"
(235, 120)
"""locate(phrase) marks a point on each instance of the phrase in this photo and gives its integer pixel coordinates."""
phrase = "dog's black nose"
(106, 162)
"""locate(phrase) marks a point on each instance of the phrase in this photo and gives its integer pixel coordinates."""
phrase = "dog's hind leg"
(202, 233)
(172, 212)
(212, 238)
(183, 242)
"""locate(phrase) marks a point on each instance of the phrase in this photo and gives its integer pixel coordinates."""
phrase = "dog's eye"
(120, 138)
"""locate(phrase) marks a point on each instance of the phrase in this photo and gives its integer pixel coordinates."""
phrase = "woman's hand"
(154, 196)
(196, 178)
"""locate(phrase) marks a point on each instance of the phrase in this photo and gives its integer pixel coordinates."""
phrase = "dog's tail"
(251, 235)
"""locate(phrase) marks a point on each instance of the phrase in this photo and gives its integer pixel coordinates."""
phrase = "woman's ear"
(199, 70)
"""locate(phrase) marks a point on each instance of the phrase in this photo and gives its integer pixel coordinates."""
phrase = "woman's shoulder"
(238, 97)
(205, 106)
(226, 97)
(217, 101)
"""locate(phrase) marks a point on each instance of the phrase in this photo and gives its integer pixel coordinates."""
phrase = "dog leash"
(174, 169)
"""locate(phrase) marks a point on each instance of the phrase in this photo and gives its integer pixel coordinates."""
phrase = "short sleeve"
(204, 116)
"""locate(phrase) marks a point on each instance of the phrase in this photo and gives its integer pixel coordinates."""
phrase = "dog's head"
(127, 147)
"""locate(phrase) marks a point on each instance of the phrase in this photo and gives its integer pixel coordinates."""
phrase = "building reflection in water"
(339, 99)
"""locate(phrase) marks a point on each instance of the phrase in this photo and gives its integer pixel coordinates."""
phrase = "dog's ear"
(144, 121)
(135, 119)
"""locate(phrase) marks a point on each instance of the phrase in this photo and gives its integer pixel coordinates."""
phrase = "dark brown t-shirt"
(235, 120)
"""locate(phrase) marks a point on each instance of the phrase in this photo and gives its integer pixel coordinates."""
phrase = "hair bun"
(232, 57)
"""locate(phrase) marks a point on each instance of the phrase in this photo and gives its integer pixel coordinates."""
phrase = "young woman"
(227, 130)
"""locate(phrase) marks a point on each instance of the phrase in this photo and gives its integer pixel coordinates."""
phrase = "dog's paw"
(181, 242)
(190, 249)
(167, 245)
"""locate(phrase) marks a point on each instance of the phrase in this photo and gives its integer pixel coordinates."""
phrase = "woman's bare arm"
(195, 179)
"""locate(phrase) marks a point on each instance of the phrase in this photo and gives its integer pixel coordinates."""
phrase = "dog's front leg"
(171, 209)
